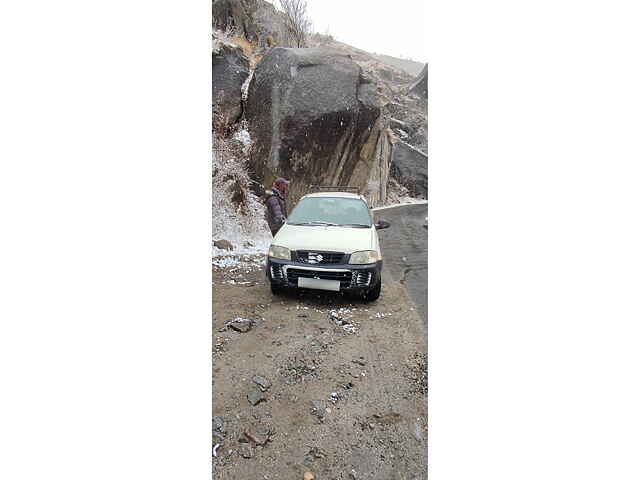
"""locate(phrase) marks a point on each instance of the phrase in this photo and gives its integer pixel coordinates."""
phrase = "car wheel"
(374, 293)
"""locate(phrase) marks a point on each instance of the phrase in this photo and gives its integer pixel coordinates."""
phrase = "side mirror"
(382, 225)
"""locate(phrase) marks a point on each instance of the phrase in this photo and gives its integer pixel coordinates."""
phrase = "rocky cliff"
(420, 85)
(325, 115)
(403, 100)
(230, 69)
(254, 20)
(409, 167)
(410, 66)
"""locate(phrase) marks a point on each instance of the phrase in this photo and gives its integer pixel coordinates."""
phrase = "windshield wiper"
(316, 223)
(357, 225)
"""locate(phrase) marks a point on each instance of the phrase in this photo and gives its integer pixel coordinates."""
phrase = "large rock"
(408, 112)
(316, 119)
(419, 87)
(229, 72)
(251, 19)
(409, 167)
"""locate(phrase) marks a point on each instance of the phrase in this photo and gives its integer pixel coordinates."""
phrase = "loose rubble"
(417, 374)
(339, 401)
(240, 324)
(342, 317)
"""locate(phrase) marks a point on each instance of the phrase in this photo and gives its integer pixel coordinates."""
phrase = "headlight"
(277, 251)
(367, 256)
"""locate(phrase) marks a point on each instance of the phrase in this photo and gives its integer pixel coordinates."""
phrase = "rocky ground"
(318, 383)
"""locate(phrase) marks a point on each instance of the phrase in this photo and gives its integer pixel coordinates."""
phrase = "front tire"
(276, 289)
(374, 293)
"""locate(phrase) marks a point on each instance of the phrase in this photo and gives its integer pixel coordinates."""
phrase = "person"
(277, 205)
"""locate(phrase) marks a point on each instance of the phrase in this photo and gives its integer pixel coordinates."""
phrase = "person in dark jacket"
(276, 205)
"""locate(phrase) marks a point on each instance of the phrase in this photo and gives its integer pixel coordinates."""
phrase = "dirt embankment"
(317, 383)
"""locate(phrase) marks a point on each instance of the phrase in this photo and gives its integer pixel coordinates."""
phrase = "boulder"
(255, 397)
(223, 244)
(419, 87)
(252, 19)
(409, 168)
(230, 70)
(316, 119)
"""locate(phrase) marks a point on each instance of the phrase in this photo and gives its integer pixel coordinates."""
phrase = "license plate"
(319, 284)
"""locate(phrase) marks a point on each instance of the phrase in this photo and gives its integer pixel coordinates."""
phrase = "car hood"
(334, 239)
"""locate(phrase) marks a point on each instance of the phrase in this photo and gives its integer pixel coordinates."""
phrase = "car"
(329, 242)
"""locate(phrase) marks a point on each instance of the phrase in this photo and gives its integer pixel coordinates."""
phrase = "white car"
(329, 242)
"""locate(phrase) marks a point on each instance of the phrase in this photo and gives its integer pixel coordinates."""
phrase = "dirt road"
(340, 388)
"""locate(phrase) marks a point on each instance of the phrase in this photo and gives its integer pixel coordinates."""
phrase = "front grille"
(343, 277)
(314, 257)
(361, 279)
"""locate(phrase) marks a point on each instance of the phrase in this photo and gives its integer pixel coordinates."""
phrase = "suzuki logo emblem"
(314, 257)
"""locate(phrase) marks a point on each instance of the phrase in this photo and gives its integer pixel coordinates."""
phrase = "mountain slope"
(410, 66)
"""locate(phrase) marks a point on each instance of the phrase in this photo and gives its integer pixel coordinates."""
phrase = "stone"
(223, 244)
(409, 168)
(230, 69)
(315, 119)
(419, 87)
(241, 325)
(252, 20)
(256, 397)
(308, 476)
(262, 382)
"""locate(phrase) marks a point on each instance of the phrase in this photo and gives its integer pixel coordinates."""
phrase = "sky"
(394, 28)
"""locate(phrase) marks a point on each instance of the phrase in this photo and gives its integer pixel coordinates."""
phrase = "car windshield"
(351, 212)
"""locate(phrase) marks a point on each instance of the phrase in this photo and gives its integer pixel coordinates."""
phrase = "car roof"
(335, 195)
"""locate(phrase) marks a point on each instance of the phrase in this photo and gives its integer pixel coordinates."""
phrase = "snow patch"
(239, 240)
(246, 263)
(245, 85)
(238, 214)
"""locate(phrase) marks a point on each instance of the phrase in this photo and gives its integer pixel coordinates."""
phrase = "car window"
(341, 211)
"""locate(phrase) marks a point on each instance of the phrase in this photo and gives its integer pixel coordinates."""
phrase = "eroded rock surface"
(230, 68)
(409, 167)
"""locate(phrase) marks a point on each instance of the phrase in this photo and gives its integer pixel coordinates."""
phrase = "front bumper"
(353, 278)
